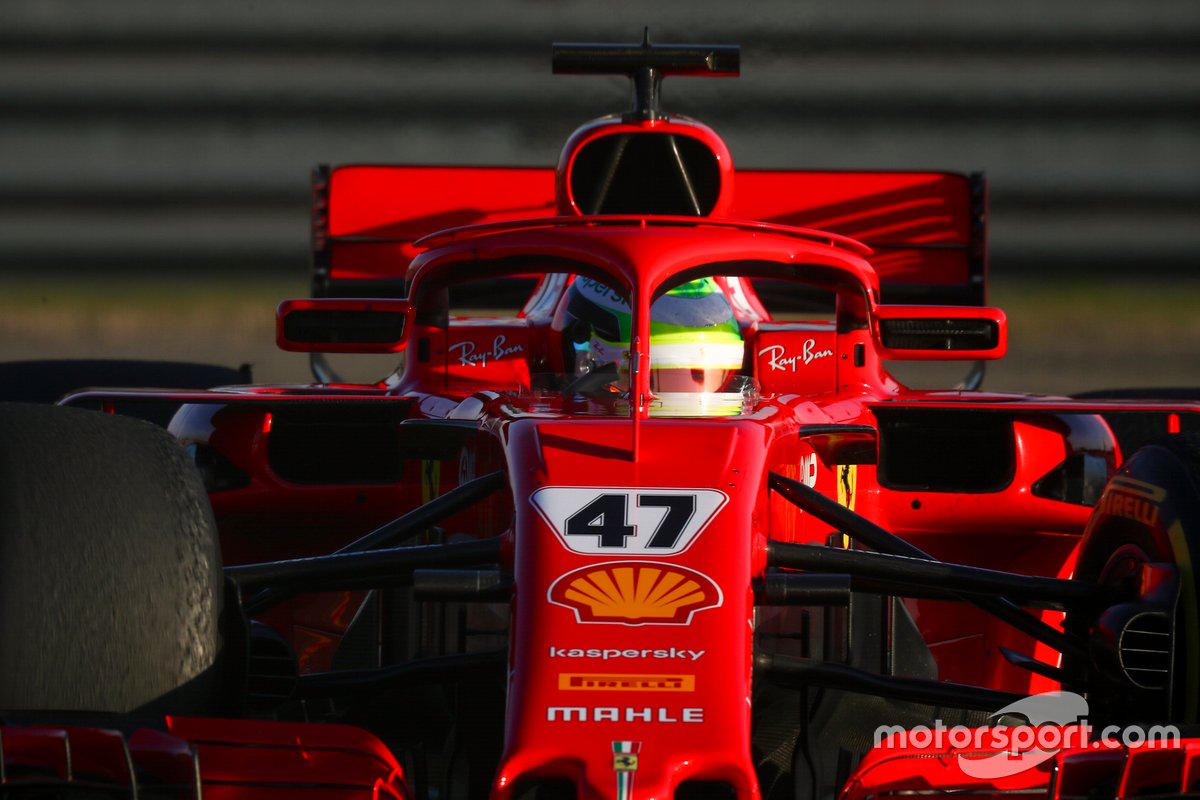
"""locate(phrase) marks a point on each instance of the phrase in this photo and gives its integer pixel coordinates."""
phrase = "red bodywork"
(631, 667)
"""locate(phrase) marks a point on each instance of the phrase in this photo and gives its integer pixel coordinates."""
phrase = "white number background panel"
(612, 521)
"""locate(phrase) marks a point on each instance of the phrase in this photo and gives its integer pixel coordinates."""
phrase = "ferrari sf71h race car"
(642, 514)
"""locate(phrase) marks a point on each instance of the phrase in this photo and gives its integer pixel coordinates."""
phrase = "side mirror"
(342, 325)
(940, 333)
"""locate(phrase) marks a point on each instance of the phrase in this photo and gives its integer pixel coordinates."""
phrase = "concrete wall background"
(179, 133)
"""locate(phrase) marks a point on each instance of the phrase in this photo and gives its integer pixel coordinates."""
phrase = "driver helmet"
(695, 343)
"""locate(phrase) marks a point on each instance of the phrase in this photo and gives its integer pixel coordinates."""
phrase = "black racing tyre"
(1149, 513)
(110, 574)
(47, 381)
(1135, 429)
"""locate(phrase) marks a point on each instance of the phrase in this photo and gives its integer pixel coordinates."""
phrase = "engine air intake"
(645, 173)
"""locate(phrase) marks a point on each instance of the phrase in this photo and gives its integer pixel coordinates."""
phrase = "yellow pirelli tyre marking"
(1191, 625)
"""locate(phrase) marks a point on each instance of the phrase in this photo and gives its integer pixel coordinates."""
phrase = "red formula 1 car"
(642, 515)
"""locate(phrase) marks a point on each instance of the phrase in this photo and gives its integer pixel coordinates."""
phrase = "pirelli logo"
(598, 682)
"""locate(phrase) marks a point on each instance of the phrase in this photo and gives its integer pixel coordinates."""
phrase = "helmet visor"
(695, 362)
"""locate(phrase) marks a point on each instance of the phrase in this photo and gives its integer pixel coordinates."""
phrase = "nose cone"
(632, 627)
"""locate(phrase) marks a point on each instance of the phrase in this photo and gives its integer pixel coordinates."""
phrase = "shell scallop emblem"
(640, 593)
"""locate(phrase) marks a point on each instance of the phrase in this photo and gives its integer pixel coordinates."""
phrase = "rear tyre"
(110, 574)
(47, 381)
(1135, 429)
(1149, 513)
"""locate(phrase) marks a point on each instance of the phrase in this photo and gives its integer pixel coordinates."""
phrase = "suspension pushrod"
(920, 573)
(372, 681)
(397, 530)
(804, 672)
(430, 513)
(331, 571)
(863, 530)
(833, 513)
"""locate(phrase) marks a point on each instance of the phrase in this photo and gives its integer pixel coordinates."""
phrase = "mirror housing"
(939, 333)
(342, 325)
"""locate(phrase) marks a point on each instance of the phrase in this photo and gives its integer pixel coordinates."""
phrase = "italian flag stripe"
(625, 777)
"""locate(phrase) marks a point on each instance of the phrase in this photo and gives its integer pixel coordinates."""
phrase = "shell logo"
(641, 593)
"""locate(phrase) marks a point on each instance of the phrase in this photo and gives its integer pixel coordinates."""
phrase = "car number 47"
(634, 521)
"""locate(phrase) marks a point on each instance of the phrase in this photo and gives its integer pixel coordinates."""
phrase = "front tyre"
(109, 567)
(1143, 538)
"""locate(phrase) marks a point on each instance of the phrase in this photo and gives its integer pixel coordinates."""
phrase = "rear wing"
(366, 217)
(927, 228)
